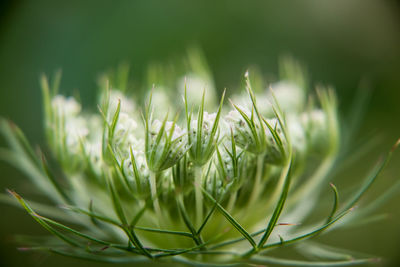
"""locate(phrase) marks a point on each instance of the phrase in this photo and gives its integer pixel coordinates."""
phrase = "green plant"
(221, 188)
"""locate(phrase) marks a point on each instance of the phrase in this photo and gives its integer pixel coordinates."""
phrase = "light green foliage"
(221, 186)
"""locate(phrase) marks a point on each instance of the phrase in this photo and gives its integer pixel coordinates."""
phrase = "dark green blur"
(347, 44)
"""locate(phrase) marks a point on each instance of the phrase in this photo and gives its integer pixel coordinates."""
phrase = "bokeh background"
(342, 43)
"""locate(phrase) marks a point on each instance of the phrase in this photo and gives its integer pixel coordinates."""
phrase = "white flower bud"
(250, 138)
(64, 106)
(69, 125)
(157, 124)
(161, 101)
(290, 97)
(263, 103)
(297, 135)
(208, 121)
(201, 150)
(274, 153)
(127, 105)
(164, 152)
(195, 86)
(139, 180)
(124, 136)
(75, 129)
(315, 124)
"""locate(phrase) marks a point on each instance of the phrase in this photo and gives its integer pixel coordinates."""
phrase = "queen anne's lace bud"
(213, 191)
(274, 135)
(249, 131)
(166, 143)
(161, 100)
(316, 128)
(137, 172)
(67, 107)
(68, 128)
(195, 87)
(203, 137)
(247, 135)
(290, 97)
(297, 135)
(231, 166)
(208, 122)
(124, 136)
(116, 97)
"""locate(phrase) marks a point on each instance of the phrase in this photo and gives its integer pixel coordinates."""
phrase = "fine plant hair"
(189, 177)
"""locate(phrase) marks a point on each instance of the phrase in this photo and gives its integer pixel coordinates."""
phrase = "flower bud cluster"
(204, 180)
(221, 151)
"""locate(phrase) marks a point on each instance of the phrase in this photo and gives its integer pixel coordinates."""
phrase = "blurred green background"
(341, 42)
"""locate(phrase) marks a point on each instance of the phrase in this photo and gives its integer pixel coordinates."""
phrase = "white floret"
(65, 106)
(195, 86)
(127, 105)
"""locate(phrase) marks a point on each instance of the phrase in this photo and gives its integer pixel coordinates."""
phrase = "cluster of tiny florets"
(184, 179)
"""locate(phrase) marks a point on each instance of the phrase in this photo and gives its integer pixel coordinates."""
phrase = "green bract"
(202, 133)
(222, 186)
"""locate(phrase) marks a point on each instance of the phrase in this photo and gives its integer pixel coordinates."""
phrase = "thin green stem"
(231, 202)
(181, 206)
(257, 181)
(154, 196)
(198, 195)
